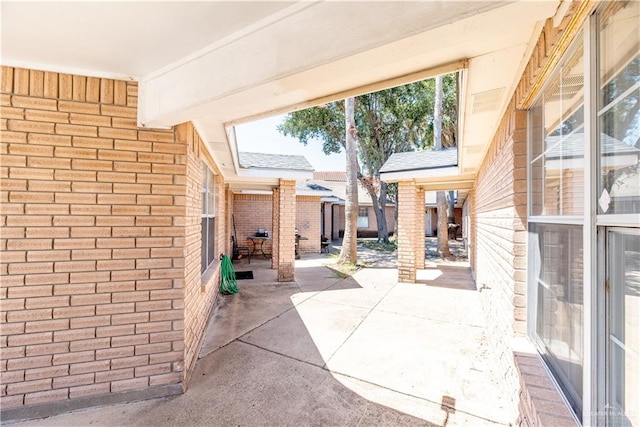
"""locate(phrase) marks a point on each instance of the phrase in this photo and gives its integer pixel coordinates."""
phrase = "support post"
(286, 230)
(410, 231)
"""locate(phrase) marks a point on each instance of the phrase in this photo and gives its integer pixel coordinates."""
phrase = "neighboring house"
(435, 162)
(431, 213)
(252, 209)
(119, 170)
(333, 212)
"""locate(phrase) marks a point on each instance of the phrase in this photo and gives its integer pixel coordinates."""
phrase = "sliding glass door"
(623, 326)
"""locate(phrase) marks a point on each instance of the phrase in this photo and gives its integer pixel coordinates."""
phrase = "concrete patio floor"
(328, 350)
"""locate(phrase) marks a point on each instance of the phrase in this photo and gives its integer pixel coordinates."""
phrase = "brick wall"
(254, 211)
(308, 222)
(498, 227)
(200, 291)
(251, 212)
(99, 242)
(372, 229)
(499, 255)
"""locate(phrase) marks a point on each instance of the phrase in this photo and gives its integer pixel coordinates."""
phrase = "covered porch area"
(327, 349)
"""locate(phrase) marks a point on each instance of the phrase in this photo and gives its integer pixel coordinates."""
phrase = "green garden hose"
(228, 284)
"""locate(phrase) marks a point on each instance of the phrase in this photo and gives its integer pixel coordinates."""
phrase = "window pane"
(203, 246)
(619, 108)
(557, 271)
(363, 217)
(557, 141)
(623, 332)
(211, 202)
(203, 187)
(210, 240)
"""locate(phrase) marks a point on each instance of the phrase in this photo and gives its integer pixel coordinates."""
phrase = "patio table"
(258, 244)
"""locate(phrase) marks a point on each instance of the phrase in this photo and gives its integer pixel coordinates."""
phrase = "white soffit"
(119, 38)
(216, 63)
(318, 51)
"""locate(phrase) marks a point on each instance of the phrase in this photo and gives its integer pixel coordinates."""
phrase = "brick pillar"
(419, 231)
(408, 221)
(327, 219)
(286, 230)
(335, 222)
(275, 227)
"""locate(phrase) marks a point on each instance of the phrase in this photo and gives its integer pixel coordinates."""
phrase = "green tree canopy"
(389, 121)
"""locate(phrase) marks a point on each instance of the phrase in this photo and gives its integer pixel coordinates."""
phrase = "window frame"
(595, 226)
(207, 218)
(359, 223)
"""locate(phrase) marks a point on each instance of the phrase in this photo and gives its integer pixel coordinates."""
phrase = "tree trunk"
(443, 228)
(451, 204)
(349, 251)
(383, 231)
(437, 116)
(379, 202)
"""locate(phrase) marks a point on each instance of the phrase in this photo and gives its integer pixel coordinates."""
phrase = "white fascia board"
(233, 146)
(275, 173)
(315, 193)
(333, 199)
(420, 174)
(255, 192)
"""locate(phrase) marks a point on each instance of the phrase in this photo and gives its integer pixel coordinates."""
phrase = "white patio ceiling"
(223, 63)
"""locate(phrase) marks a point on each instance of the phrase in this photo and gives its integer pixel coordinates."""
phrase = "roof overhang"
(333, 199)
(313, 193)
(278, 174)
(220, 63)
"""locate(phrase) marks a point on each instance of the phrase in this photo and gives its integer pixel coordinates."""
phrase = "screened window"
(363, 217)
(556, 167)
(557, 141)
(208, 218)
(619, 109)
(556, 269)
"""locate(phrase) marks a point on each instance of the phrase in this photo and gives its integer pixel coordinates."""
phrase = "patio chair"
(240, 251)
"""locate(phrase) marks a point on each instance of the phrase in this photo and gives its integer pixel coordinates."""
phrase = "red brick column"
(286, 230)
(410, 231)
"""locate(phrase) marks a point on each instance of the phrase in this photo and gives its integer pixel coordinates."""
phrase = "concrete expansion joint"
(248, 332)
(323, 367)
(359, 324)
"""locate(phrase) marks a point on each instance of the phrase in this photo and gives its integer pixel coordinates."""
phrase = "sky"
(262, 137)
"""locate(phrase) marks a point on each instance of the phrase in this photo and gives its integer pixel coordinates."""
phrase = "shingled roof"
(416, 160)
(273, 161)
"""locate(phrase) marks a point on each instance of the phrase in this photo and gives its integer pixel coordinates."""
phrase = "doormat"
(244, 275)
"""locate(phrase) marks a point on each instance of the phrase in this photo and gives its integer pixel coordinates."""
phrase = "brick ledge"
(540, 401)
(44, 410)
